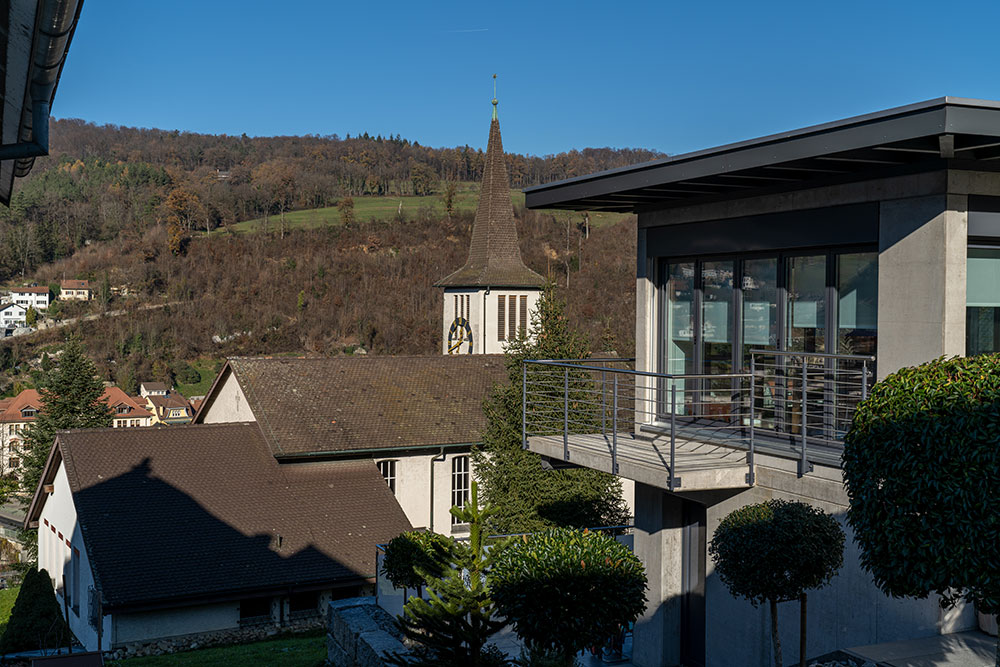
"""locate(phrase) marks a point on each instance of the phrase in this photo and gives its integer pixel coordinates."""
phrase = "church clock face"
(460, 337)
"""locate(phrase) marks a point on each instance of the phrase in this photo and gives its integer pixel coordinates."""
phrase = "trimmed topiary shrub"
(36, 622)
(774, 552)
(565, 590)
(415, 550)
(922, 471)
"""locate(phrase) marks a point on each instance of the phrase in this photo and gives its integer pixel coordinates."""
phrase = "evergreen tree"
(452, 626)
(36, 622)
(71, 398)
(31, 316)
(528, 497)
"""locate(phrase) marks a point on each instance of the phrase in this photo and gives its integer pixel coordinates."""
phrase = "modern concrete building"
(776, 280)
(489, 301)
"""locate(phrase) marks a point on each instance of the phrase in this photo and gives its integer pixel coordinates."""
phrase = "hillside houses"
(75, 290)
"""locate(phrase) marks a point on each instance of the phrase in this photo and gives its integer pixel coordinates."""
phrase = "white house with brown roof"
(75, 290)
(127, 411)
(34, 296)
(144, 538)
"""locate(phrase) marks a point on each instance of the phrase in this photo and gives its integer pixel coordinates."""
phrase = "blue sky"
(672, 76)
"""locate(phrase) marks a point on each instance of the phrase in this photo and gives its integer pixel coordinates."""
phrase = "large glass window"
(857, 305)
(717, 330)
(715, 310)
(982, 300)
(806, 314)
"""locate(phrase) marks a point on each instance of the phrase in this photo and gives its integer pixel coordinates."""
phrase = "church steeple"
(489, 301)
(494, 256)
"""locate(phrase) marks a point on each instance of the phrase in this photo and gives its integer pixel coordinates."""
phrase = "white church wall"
(230, 405)
(479, 307)
(413, 489)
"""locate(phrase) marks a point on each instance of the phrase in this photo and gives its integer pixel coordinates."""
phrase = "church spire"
(494, 256)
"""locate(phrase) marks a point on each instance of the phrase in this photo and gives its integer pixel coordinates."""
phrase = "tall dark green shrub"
(774, 552)
(71, 396)
(527, 497)
(922, 471)
(36, 622)
(565, 590)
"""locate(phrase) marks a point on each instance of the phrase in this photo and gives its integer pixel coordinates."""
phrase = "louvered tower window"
(524, 315)
(501, 317)
(512, 317)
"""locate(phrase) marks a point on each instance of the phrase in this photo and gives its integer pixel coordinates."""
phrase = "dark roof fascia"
(945, 115)
(235, 595)
(48, 475)
(375, 452)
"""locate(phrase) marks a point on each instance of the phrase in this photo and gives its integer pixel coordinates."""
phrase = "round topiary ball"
(922, 471)
(564, 590)
(776, 550)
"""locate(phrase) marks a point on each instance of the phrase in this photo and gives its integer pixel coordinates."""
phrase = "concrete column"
(645, 331)
(921, 280)
(658, 521)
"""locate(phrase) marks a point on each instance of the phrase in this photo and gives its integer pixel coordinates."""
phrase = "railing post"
(804, 461)
(673, 430)
(566, 414)
(604, 402)
(524, 405)
(753, 414)
(614, 427)
(864, 379)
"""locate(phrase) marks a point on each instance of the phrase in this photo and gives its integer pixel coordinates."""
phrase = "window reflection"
(857, 306)
(982, 300)
(806, 313)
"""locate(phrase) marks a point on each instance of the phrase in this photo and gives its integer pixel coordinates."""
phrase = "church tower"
(489, 300)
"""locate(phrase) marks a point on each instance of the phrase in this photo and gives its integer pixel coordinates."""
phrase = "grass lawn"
(386, 208)
(300, 651)
(206, 369)
(7, 597)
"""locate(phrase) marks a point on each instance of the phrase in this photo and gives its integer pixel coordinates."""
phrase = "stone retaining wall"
(191, 642)
(361, 634)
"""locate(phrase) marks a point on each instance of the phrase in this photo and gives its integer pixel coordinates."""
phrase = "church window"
(501, 316)
(460, 483)
(512, 318)
(524, 315)
(388, 470)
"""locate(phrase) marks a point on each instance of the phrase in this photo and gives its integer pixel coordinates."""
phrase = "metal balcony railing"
(787, 402)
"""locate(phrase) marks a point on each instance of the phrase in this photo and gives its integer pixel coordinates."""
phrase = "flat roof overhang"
(949, 132)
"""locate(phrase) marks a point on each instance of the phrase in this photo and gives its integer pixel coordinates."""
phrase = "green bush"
(774, 552)
(565, 590)
(922, 471)
(36, 622)
(413, 550)
(186, 373)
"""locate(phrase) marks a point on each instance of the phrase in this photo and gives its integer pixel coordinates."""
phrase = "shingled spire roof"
(494, 257)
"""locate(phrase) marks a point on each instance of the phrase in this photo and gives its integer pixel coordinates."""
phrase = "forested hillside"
(321, 291)
(102, 180)
(153, 213)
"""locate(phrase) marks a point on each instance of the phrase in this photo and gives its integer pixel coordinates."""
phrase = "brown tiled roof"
(168, 401)
(29, 398)
(494, 256)
(30, 290)
(114, 397)
(344, 404)
(74, 284)
(202, 523)
(154, 386)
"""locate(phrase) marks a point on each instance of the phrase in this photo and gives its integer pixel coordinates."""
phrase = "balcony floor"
(701, 462)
